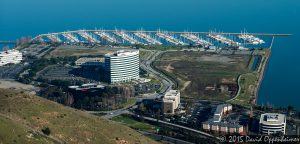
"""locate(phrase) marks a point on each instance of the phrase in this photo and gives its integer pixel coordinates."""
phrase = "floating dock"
(126, 37)
(70, 37)
(147, 38)
(88, 37)
(54, 38)
(224, 40)
(251, 39)
(106, 36)
(196, 39)
(169, 38)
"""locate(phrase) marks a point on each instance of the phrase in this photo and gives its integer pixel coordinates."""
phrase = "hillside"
(23, 116)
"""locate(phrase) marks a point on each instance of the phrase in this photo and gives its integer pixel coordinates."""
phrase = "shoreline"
(261, 74)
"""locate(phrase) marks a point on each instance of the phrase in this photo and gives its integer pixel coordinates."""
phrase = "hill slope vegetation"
(24, 116)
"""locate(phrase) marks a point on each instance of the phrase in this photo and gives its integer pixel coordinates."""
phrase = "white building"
(271, 123)
(10, 57)
(122, 66)
(88, 86)
(171, 101)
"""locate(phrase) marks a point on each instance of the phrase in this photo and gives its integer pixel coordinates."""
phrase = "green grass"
(248, 84)
(127, 120)
(66, 124)
(11, 132)
(130, 102)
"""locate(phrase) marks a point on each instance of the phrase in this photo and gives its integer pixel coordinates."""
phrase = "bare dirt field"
(63, 51)
(204, 75)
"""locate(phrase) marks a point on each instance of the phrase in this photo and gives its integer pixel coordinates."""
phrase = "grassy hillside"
(23, 116)
(12, 132)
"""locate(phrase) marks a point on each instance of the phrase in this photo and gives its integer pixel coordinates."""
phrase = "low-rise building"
(85, 87)
(216, 125)
(170, 101)
(220, 111)
(271, 123)
(223, 127)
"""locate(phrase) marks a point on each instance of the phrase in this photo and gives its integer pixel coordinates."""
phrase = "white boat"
(251, 39)
(10, 57)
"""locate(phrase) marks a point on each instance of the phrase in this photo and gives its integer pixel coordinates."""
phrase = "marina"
(146, 37)
(224, 40)
(251, 39)
(88, 37)
(54, 38)
(70, 37)
(169, 38)
(240, 41)
(196, 39)
(126, 37)
(106, 36)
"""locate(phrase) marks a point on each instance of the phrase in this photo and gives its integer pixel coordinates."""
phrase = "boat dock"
(88, 37)
(147, 38)
(196, 39)
(105, 36)
(127, 37)
(169, 38)
(70, 37)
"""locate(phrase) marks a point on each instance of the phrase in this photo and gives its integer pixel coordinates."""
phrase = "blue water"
(280, 85)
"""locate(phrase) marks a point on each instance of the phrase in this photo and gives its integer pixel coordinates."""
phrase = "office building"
(170, 101)
(271, 123)
(122, 66)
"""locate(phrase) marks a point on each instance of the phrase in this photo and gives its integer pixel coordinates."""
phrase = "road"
(146, 65)
(179, 126)
(163, 138)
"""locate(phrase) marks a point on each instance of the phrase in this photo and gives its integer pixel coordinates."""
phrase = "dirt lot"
(204, 75)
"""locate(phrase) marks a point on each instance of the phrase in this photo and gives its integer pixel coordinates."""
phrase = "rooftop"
(172, 93)
(220, 108)
(123, 53)
(272, 118)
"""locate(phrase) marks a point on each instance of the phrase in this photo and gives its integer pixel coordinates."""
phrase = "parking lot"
(10, 72)
(64, 73)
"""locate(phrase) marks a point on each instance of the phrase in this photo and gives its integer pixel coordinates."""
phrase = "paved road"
(163, 138)
(179, 126)
(146, 65)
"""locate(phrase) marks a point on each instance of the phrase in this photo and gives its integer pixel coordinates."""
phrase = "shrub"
(46, 131)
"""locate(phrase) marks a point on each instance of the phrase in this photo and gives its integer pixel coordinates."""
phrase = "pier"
(105, 36)
(70, 37)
